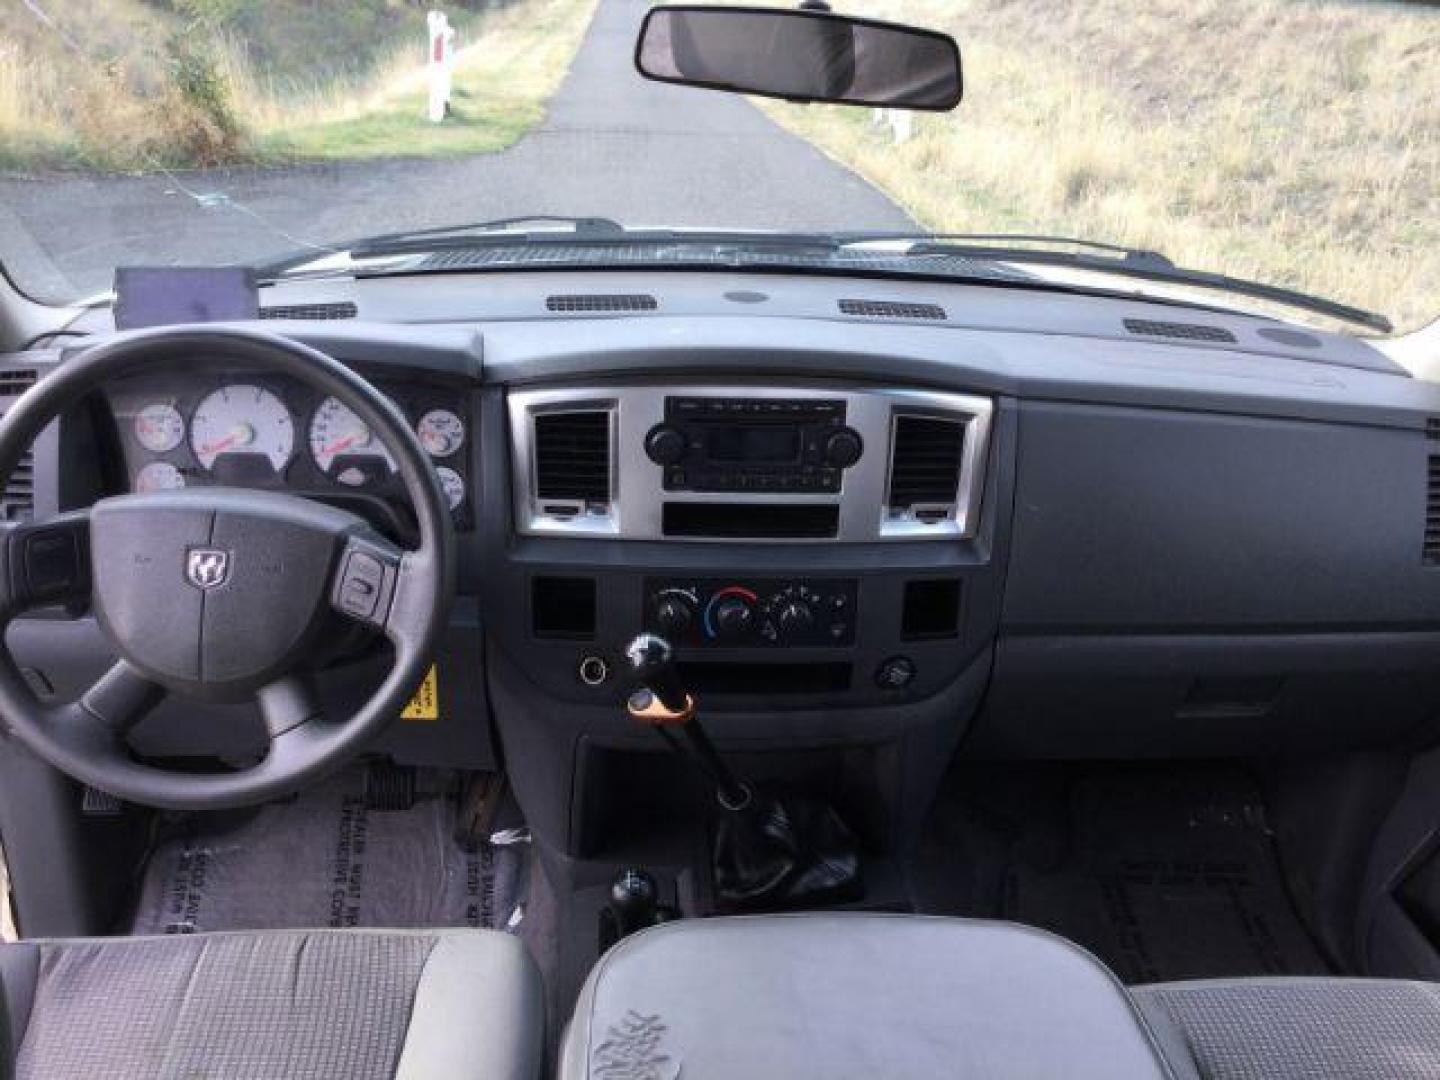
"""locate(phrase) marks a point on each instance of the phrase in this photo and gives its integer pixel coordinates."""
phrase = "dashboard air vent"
(572, 460)
(17, 503)
(600, 302)
(15, 381)
(891, 309)
(1430, 553)
(925, 466)
(1187, 331)
(344, 310)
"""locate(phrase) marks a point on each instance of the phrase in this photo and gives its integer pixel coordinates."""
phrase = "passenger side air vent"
(891, 309)
(343, 310)
(17, 503)
(582, 302)
(1187, 331)
(1430, 553)
(572, 462)
(925, 462)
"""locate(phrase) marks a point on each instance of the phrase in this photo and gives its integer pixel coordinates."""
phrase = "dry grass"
(1293, 141)
(108, 98)
(507, 66)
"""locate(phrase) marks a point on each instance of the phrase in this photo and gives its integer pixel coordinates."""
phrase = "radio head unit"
(753, 444)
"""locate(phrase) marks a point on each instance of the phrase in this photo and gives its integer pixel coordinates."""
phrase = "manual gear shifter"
(772, 849)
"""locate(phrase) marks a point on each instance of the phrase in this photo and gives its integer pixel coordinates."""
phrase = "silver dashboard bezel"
(637, 495)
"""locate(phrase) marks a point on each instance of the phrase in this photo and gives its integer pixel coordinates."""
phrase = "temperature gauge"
(159, 427)
(441, 432)
(452, 485)
(159, 476)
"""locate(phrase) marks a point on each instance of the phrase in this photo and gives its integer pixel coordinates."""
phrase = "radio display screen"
(754, 444)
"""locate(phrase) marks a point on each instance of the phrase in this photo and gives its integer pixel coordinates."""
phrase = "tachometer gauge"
(159, 427)
(452, 485)
(441, 432)
(338, 436)
(242, 419)
(159, 476)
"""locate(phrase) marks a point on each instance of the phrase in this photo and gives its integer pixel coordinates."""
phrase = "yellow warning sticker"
(425, 705)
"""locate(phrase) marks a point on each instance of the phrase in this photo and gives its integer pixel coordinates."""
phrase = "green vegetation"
(1294, 141)
(144, 84)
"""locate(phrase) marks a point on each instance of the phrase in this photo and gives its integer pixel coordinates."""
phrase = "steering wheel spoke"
(121, 698)
(46, 562)
(288, 703)
(376, 584)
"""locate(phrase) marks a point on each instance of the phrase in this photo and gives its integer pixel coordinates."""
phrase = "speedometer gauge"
(242, 419)
(441, 432)
(159, 427)
(338, 436)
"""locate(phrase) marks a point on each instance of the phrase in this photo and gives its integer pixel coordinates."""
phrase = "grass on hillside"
(507, 67)
(1293, 141)
(63, 105)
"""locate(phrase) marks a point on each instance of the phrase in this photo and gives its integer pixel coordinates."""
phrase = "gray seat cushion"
(1297, 1029)
(308, 1005)
(840, 996)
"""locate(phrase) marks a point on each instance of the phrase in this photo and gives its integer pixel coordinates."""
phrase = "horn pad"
(214, 591)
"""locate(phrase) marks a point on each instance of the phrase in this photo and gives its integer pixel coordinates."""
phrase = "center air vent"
(572, 462)
(342, 310)
(1187, 331)
(891, 309)
(585, 302)
(925, 467)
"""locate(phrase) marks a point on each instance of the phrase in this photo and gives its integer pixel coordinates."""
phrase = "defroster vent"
(588, 302)
(572, 458)
(925, 466)
(891, 309)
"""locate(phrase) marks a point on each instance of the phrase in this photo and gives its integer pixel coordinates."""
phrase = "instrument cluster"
(180, 431)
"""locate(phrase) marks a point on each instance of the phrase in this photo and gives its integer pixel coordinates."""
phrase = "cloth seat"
(842, 996)
(304, 1005)
(1297, 1028)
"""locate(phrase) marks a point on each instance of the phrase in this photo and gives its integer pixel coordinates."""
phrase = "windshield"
(1293, 142)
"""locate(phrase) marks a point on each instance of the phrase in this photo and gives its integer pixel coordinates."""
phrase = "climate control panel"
(734, 613)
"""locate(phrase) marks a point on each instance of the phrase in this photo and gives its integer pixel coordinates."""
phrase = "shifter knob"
(652, 663)
(634, 898)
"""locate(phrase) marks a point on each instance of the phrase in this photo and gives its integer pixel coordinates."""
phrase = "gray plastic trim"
(638, 498)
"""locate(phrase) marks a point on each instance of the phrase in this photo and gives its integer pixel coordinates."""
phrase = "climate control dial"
(752, 613)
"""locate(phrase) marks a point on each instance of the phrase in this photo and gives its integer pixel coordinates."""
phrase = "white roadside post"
(442, 49)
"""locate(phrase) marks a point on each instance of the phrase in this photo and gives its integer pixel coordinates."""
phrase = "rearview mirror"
(800, 56)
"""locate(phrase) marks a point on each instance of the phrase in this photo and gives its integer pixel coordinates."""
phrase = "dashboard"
(1036, 525)
(198, 427)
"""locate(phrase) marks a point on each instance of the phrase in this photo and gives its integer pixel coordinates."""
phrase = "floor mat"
(323, 859)
(1163, 875)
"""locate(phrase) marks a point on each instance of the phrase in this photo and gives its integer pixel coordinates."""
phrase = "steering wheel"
(219, 594)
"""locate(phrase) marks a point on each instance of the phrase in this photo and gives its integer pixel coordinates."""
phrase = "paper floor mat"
(323, 859)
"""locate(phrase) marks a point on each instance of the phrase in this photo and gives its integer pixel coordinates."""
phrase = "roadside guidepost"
(900, 121)
(442, 50)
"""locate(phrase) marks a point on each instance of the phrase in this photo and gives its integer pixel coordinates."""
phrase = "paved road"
(612, 144)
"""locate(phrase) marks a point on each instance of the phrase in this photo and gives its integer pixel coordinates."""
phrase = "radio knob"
(795, 619)
(843, 448)
(664, 445)
(674, 614)
(733, 616)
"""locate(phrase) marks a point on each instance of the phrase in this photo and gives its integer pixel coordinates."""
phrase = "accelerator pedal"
(389, 786)
(97, 803)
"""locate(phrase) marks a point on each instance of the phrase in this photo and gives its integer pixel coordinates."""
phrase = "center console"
(825, 559)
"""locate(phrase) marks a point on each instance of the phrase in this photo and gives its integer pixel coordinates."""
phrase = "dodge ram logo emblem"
(207, 568)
